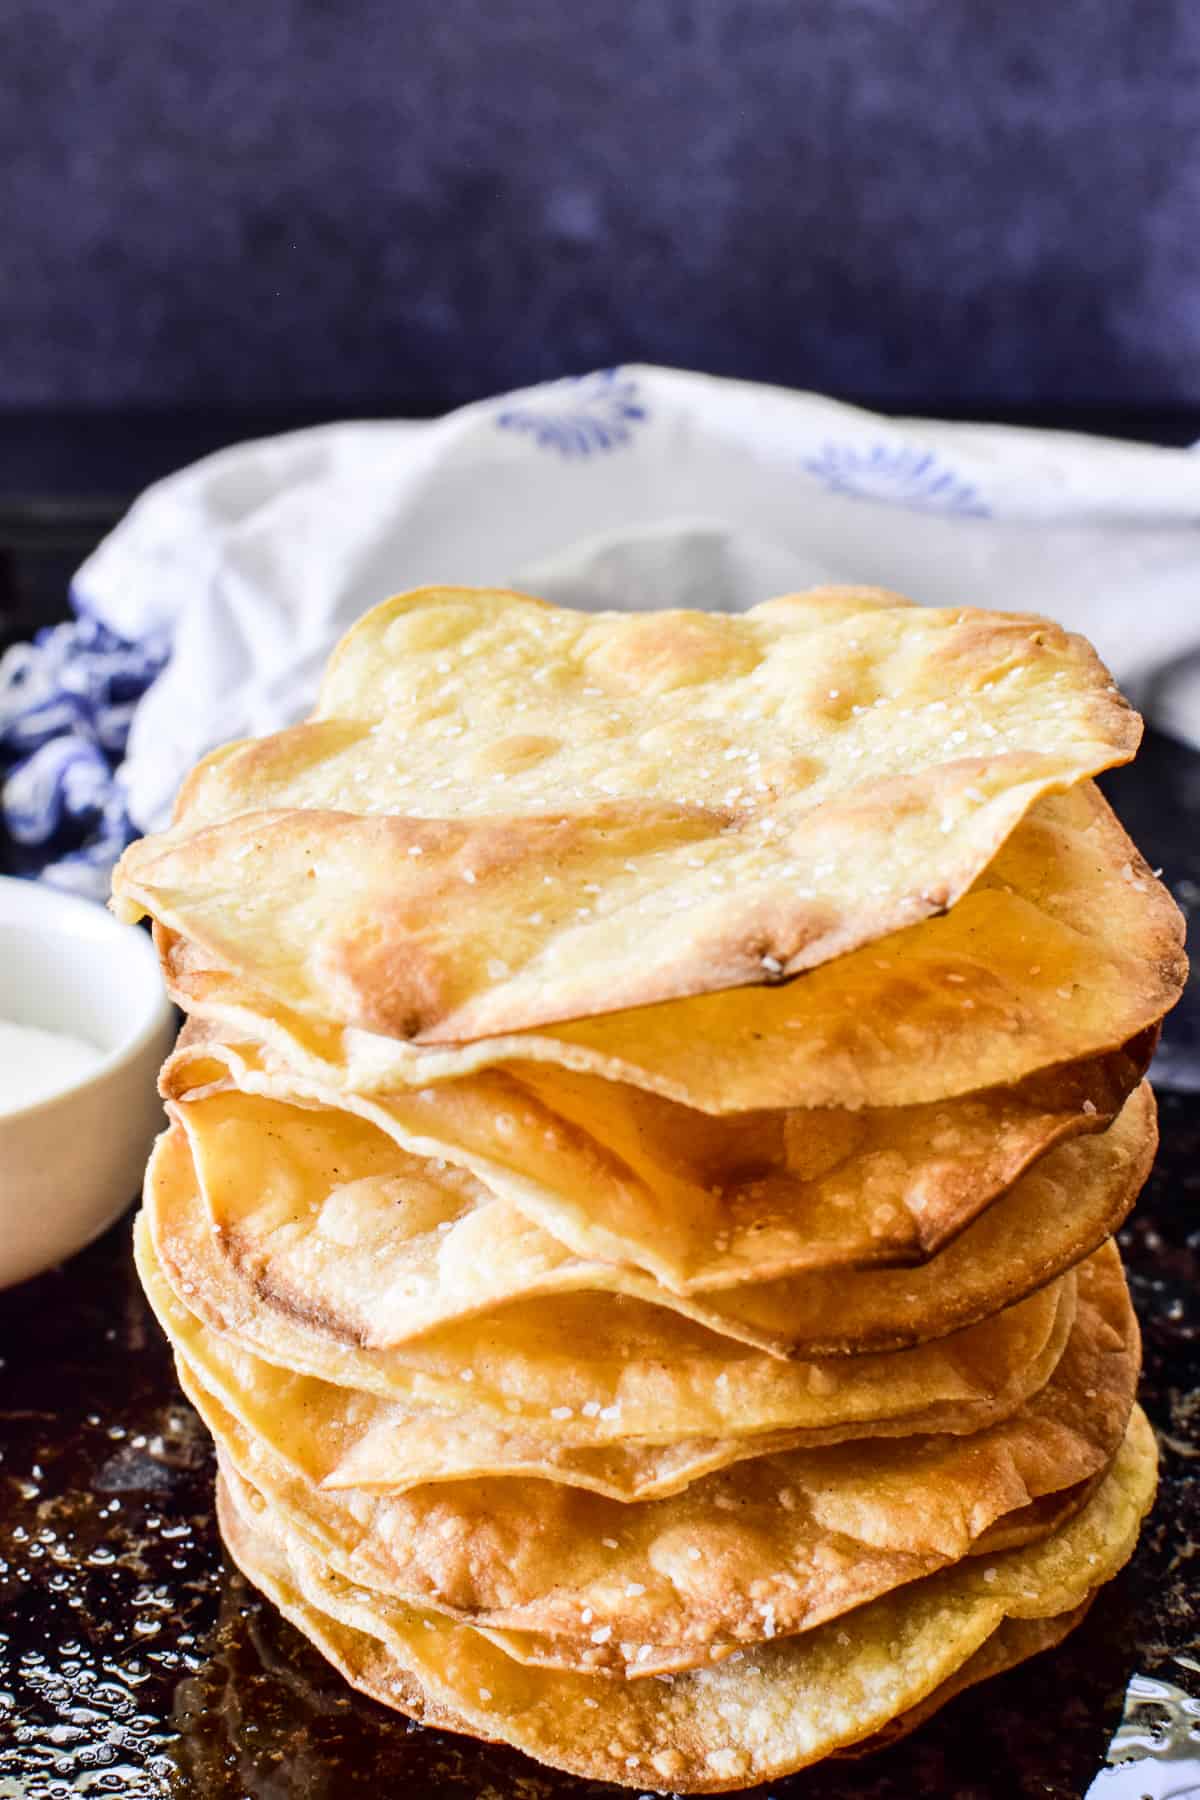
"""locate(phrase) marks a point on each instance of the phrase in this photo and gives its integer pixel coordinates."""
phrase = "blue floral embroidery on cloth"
(66, 705)
(581, 415)
(900, 474)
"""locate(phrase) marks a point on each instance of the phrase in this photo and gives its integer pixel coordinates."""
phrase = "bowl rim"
(35, 906)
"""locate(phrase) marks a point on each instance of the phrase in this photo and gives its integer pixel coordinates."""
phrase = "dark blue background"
(295, 203)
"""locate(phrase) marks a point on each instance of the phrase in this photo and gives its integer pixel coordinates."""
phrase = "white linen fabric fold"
(637, 487)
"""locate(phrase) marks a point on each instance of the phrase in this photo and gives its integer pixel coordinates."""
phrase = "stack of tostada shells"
(637, 1215)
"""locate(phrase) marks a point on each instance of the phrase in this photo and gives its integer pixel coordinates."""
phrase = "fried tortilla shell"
(697, 1202)
(435, 1447)
(596, 1368)
(352, 1279)
(482, 829)
(1064, 949)
(754, 1717)
(772, 1546)
(1013, 1642)
(347, 1439)
(1056, 1214)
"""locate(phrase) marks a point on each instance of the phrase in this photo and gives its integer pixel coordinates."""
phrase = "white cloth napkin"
(637, 487)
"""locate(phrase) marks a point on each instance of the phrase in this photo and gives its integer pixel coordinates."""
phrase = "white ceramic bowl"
(69, 1164)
